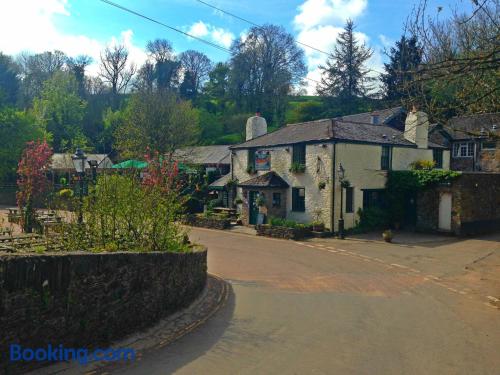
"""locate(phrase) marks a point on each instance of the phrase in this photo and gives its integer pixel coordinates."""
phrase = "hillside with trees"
(448, 66)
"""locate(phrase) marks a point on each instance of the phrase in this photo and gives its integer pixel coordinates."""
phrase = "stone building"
(473, 140)
(303, 161)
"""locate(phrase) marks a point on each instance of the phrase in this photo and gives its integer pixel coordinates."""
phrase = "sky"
(87, 26)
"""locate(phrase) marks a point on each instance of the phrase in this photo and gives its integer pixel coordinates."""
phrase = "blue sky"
(87, 26)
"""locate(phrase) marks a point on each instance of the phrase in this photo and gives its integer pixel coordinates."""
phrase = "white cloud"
(318, 24)
(218, 35)
(29, 25)
(324, 12)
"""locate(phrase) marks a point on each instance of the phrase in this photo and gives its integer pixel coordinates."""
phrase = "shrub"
(66, 193)
(280, 222)
(297, 168)
(422, 165)
(372, 218)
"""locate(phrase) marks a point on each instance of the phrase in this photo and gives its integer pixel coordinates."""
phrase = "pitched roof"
(64, 161)
(267, 180)
(214, 154)
(220, 183)
(384, 115)
(465, 127)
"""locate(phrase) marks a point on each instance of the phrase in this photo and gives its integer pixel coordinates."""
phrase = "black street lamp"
(341, 172)
(79, 160)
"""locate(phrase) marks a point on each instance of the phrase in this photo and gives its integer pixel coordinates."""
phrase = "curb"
(163, 333)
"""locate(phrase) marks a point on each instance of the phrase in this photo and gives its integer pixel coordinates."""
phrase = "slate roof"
(384, 115)
(462, 127)
(214, 154)
(64, 161)
(329, 130)
(267, 180)
(220, 183)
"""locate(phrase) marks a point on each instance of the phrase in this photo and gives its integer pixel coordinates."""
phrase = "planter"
(387, 236)
(318, 227)
(283, 232)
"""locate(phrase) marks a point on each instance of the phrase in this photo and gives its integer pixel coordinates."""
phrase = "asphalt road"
(308, 309)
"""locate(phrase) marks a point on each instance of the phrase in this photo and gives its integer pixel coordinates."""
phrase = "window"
(489, 145)
(463, 150)
(276, 199)
(385, 161)
(374, 198)
(437, 156)
(349, 199)
(298, 199)
(299, 154)
(251, 159)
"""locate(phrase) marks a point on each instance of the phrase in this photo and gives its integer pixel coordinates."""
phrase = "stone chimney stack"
(417, 128)
(256, 126)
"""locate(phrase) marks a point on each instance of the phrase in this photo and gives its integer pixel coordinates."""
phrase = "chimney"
(256, 126)
(417, 128)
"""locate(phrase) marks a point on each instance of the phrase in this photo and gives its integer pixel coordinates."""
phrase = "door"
(445, 211)
(253, 209)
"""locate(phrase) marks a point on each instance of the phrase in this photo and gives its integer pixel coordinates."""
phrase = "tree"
(61, 110)
(217, 87)
(306, 111)
(159, 121)
(146, 77)
(264, 67)
(404, 59)
(16, 128)
(32, 180)
(345, 74)
(77, 65)
(114, 68)
(9, 81)
(36, 69)
(198, 65)
(459, 74)
(187, 89)
(166, 65)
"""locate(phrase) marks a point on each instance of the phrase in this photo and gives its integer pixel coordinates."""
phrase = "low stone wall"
(83, 300)
(207, 222)
(282, 232)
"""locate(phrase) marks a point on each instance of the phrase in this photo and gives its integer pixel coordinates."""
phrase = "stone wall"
(207, 222)
(283, 232)
(84, 300)
(475, 204)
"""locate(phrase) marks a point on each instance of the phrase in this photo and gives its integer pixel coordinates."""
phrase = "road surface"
(316, 308)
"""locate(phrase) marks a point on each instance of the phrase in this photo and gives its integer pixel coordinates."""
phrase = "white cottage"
(294, 170)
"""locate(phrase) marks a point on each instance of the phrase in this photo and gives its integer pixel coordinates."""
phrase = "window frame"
(296, 199)
(251, 158)
(386, 159)
(488, 148)
(463, 149)
(349, 199)
(437, 157)
(299, 153)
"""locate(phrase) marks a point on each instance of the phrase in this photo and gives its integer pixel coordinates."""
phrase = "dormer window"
(374, 119)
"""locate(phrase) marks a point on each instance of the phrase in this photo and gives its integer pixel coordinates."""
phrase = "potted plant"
(387, 235)
(251, 169)
(321, 185)
(297, 168)
(318, 226)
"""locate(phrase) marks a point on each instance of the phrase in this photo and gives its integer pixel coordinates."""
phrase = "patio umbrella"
(128, 164)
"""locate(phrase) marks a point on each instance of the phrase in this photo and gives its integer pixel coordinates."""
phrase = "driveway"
(342, 307)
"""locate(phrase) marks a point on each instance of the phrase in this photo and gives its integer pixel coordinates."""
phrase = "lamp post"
(341, 172)
(93, 167)
(79, 159)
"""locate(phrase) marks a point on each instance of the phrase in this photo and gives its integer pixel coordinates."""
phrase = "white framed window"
(463, 150)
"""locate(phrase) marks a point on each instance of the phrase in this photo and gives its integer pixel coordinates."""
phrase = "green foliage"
(372, 218)
(120, 214)
(9, 81)
(159, 121)
(422, 165)
(280, 222)
(305, 111)
(297, 168)
(61, 110)
(16, 129)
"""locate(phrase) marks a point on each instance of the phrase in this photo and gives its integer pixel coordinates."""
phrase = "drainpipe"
(332, 208)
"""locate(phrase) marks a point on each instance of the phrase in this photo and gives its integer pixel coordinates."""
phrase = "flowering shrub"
(32, 180)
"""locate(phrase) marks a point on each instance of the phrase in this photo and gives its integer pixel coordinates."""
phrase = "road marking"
(494, 299)
(333, 251)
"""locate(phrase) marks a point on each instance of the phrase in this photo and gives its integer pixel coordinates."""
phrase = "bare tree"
(114, 68)
(94, 86)
(460, 60)
(160, 50)
(198, 65)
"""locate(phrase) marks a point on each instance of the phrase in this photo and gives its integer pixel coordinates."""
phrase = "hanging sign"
(262, 160)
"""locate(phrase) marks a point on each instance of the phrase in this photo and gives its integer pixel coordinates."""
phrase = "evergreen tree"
(404, 57)
(345, 75)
